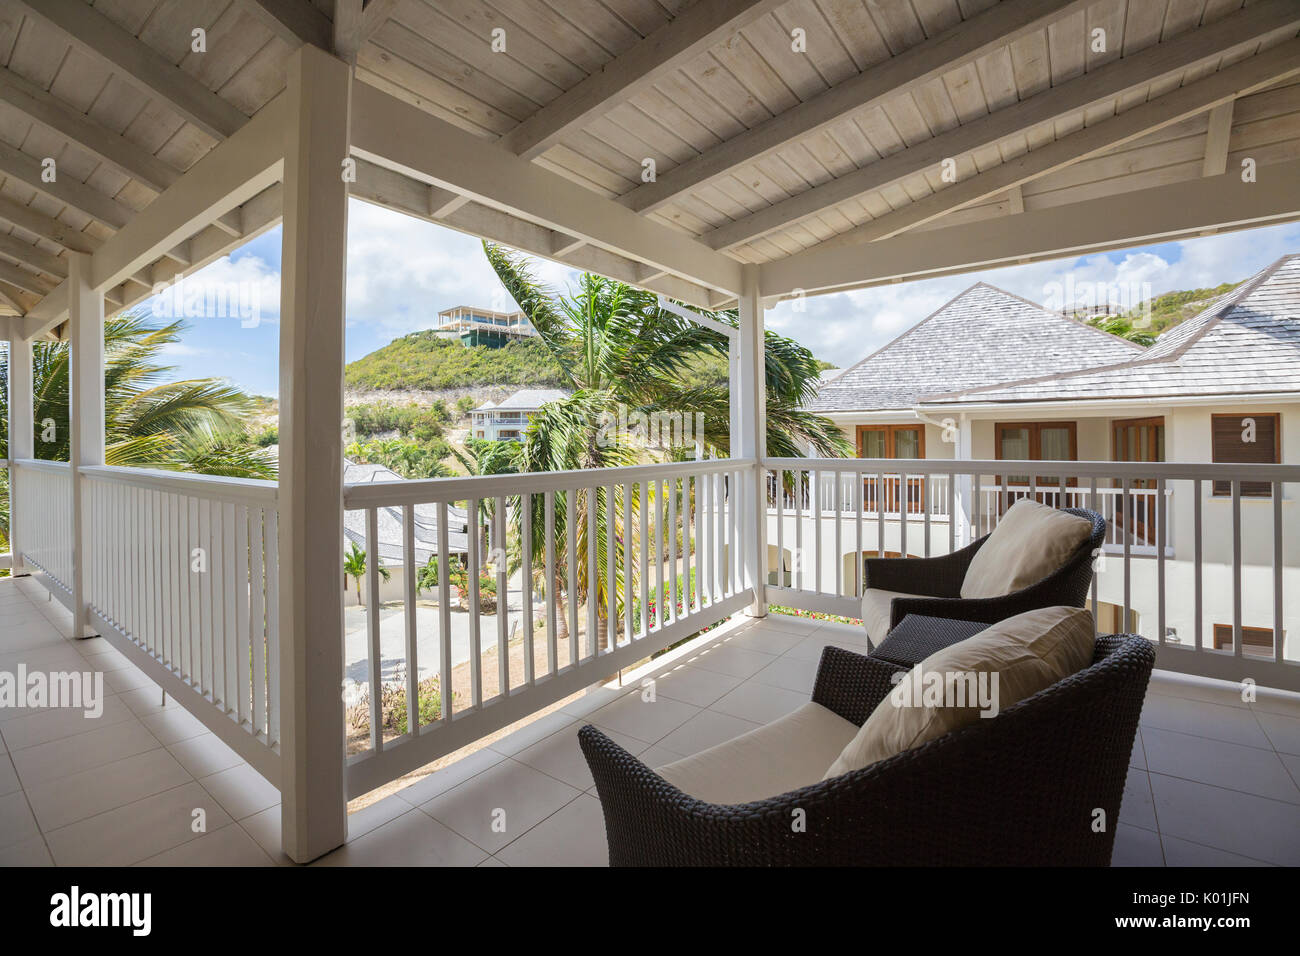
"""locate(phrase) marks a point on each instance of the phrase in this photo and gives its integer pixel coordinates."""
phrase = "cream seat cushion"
(1028, 652)
(875, 612)
(1029, 543)
(784, 755)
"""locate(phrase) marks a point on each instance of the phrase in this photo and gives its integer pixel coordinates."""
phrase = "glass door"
(1139, 439)
(892, 442)
(1036, 441)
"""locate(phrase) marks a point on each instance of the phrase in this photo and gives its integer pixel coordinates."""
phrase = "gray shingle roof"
(389, 521)
(1247, 342)
(984, 336)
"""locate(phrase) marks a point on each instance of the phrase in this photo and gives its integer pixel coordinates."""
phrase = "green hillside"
(424, 361)
(1172, 308)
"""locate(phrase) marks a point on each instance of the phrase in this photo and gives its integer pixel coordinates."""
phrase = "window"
(1036, 441)
(1246, 438)
(892, 441)
(1139, 439)
(1255, 641)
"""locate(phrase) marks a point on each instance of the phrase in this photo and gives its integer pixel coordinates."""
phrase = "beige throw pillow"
(1029, 543)
(994, 669)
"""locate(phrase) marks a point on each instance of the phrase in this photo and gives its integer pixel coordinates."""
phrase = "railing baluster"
(473, 523)
(1278, 607)
(839, 546)
(643, 577)
(801, 478)
(243, 645)
(1128, 556)
(670, 601)
(411, 570)
(859, 505)
(593, 575)
(444, 614)
(571, 549)
(1160, 559)
(628, 561)
(611, 570)
(372, 628)
(1236, 567)
(816, 485)
(1196, 560)
(880, 515)
(257, 595)
(902, 514)
(499, 552)
(526, 584)
(552, 583)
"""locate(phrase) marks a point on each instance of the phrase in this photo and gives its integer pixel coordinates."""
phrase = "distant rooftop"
(526, 400)
(984, 336)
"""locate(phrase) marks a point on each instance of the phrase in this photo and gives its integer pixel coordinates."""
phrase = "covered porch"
(795, 200)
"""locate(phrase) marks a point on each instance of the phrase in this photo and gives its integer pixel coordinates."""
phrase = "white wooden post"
(85, 413)
(314, 258)
(749, 432)
(965, 497)
(22, 442)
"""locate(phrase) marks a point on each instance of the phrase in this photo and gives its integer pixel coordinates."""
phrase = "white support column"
(749, 431)
(313, 263)
(965, 497)
(22, 441)
(85, 412)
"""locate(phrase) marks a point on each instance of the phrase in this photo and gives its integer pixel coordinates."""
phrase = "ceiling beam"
(33, 256)
(101, 142)
(47, 227)
(374, 15)
(294, 21)
(1159, 214)
(85, 199)
(1172, 57)
(1241, 78)
(402, 137)
(899, 75)
(138, 64)
(1217, 135)
(677, 42)
(22, 279)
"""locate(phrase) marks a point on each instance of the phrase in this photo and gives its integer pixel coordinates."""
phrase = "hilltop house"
(478, 326)
(506, 421)
(991, 376)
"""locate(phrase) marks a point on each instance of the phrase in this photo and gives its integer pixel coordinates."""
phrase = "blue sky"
(402, 271)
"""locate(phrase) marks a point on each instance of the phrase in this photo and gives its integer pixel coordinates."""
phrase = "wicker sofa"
(932, 586)
(1020, 788)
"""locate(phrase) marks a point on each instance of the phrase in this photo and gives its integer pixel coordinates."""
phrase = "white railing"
(43, 523)
(184, 569)
(536, 606)
(1134, 516)
(1219, 576)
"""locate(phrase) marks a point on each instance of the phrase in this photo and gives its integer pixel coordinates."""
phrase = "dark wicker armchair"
(937, 582)
(1021, 788)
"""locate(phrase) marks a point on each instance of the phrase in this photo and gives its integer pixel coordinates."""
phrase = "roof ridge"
(1238, 295)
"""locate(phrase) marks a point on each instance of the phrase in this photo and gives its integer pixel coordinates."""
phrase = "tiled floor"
(1213, 781)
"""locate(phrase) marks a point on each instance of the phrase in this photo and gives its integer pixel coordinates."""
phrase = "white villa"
(991, 376)
(474, 325)
(506, 420)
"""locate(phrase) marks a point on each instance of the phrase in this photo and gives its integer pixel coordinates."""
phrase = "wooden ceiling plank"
(138, 63)
(870, 89)
(677, 42)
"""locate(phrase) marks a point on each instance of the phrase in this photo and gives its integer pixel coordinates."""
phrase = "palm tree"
(194, 425)
(354, 566)
(620, 351)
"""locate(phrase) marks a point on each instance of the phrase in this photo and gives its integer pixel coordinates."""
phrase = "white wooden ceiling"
(760, 151)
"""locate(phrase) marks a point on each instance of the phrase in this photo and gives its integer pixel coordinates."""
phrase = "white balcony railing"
(654, 556)
(43, 525)
(1218, 575)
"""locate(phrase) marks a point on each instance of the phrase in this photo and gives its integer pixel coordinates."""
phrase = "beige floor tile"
(174, 725)
(241, 790)
(66, 800)
(204, 755)
(32, 852)
(500, 804)
(644, 720)
(43, 725)
(694, 685)
(95, 748)
(1222, 764)
(138, 830)
(760, 703)
(413, 839)
(560, 755)
(229, 846)
(17, 824)
(572, 836)
(1241, 823)
(706, 729)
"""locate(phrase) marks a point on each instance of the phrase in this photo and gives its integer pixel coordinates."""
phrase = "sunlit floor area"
(1212, 781)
